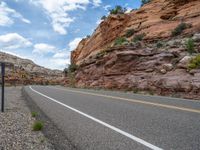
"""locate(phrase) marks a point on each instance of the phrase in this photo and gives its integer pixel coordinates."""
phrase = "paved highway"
(105, 120)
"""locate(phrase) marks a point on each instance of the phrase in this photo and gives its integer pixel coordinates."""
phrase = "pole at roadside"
(2, 86)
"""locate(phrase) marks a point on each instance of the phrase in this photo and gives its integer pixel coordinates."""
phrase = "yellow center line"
(136, 101)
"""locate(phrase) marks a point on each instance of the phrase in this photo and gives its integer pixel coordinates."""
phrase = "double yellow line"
(135, 101)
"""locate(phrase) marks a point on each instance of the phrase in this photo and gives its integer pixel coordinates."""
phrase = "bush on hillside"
(179, 29)
(138, 37)
(145, 2)
(129, 32)
(159, 44)
(72, 67)
(194, 63)
(103, 17)
(118, 10)
(120, 41)
(190, 46)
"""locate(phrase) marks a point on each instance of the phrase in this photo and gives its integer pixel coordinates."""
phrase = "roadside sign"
(2, 85)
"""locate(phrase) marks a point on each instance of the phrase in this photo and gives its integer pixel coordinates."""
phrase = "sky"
(46, 31)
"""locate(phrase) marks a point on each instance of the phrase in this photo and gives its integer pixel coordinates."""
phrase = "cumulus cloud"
(107, 7)
(58, 10)
(7, 15)
(73, 44)
(13, 41)
(97, 3)
(43, 48)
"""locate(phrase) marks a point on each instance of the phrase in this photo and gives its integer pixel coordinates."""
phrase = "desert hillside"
(155, 48)
(24, 71)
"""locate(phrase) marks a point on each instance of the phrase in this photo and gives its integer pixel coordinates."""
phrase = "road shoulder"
(57, 138)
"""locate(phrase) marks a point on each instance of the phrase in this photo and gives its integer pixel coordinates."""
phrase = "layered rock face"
(24, 71)
(163, 71)
(144, 65)
(156, 19)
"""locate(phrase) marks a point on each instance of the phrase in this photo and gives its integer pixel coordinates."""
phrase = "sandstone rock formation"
(158, 63)
(156, 19)
(24, 71)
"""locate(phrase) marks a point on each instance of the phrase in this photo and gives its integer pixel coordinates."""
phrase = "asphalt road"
(105, 120)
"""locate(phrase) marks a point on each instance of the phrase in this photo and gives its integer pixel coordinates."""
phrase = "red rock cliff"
(156, 19)
(159, 63)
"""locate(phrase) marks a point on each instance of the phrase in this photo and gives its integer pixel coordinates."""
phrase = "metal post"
(2, 86)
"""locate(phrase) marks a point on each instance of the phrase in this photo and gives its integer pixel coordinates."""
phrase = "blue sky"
(45, 31)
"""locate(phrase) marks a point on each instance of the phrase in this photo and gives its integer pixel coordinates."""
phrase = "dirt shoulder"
(16, 125)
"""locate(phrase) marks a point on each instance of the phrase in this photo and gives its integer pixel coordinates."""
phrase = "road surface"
(105, 120)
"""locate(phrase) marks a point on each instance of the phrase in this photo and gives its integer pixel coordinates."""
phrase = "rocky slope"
(24, 71)
(160, 61)
(156, 19)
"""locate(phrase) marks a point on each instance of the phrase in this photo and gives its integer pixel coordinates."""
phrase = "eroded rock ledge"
(163, 71)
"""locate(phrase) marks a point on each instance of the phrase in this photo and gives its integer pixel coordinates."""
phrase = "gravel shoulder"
(16, 125)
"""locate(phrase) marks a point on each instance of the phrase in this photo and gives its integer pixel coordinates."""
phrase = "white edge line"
(141, 141)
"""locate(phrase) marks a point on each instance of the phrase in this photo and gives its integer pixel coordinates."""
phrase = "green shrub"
(101, 54)
(72, 67)
(145, 2)
(179, 29)
(72, 79)
(194, 63)
(103, 17)
(120, 41)
(135, 90)
(37, 126)
(159, 44)
(34, 114)
(118, 10)
(88, 36)
(138, 37)
(65, 71)
(129, 32)
(190, 46)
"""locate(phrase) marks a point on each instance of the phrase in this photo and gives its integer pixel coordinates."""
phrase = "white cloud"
(107, 7)
(57, 11)
(62, 54)
(97, 3)
(43, 48)
(128, 10)
(13, 41)
(99, 21)
(7, 15)
(73, 44)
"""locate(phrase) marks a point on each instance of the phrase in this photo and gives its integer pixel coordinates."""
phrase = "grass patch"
(190, 46)
(194, 63)
(37, 126)
(34, 114)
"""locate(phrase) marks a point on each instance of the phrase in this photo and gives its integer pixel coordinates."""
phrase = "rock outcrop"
(24, 71)
(156, 19)
(159, 63)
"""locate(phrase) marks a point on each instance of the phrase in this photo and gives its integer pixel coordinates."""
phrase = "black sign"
(2, 86)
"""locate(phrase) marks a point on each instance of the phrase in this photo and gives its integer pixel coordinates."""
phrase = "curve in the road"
(132, 137)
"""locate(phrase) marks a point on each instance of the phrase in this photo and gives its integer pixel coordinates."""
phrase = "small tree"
(194, 63)
(103, 17)
(145, 2)
(179, 29)
(190, 46)
(72, 67)
(138, 37)
(118, 10)
(129, 32)
(119, 41)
